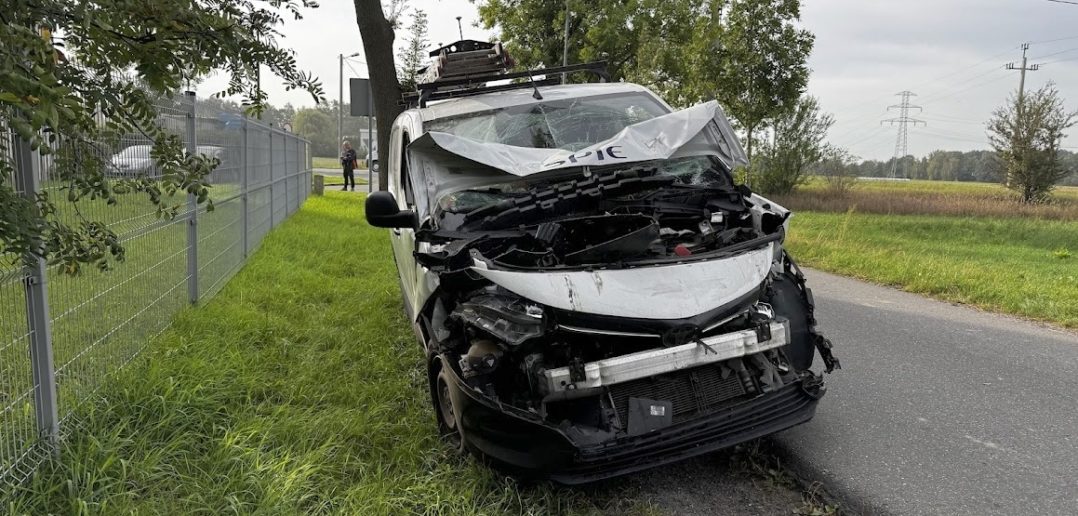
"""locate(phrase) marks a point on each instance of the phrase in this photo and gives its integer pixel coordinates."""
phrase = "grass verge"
(1012, 265)
(298, 389)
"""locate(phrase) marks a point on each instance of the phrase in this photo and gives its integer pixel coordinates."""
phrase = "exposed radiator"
(690, 391)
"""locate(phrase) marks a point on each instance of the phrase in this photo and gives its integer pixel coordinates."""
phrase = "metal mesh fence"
(61, 334)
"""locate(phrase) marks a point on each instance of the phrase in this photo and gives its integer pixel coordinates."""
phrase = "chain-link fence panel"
(62, 334)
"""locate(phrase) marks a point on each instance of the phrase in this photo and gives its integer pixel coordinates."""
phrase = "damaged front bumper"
(524, 444)
(705, 350)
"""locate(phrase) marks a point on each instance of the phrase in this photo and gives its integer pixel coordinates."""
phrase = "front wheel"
(445, 409)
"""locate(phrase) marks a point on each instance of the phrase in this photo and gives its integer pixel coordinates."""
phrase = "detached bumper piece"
(525, 445)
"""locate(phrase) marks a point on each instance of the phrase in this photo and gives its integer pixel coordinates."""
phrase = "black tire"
(445, 411)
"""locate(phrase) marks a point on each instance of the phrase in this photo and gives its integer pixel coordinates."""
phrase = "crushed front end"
(588, 326)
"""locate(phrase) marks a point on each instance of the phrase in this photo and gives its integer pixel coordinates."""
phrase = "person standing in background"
(348, 161)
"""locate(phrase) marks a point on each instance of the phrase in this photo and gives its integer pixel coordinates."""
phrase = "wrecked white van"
(593, 293)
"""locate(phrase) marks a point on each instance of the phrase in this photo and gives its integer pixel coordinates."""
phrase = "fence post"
(192, 205)
(37, 313)
(287, 175)
(300, 176)
(245, 190)
(273, 181)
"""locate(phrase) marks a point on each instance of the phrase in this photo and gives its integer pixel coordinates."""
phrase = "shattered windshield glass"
(569, 124)
(694, 171)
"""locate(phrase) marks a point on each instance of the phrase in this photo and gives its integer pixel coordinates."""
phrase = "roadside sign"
(359, 94)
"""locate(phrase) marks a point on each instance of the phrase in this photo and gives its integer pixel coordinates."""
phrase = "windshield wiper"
(564, 198)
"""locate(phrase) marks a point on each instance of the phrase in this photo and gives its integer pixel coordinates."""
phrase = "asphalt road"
(940, 409)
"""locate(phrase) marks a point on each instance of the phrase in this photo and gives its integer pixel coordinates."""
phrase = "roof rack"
(475, 84)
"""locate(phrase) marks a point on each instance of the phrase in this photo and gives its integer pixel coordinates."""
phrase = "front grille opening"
(697, 391)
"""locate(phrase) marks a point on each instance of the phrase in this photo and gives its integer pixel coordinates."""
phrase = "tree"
(838, 170)
(76, 76)
(749, 54)
(798, 143)
(1026, 134)
(760, 64)
(376, 29)
(319, 128)
(413, 57)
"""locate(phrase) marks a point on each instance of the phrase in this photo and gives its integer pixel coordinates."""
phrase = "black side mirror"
(382, 212)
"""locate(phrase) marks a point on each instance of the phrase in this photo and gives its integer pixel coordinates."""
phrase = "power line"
(1055, 53)
(354, 72)
(857, 128)
(871, 138)
(1068, 38)
(939, 121)
(950, 89)
(1059, 61)
(955, 138)
(971, 87)
(937, 79)
(947, 117)
(903, 121)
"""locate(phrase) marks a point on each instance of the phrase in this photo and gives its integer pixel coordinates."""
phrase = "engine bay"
(535, 358)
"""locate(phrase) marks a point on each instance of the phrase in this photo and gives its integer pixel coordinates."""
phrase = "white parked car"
(592, 292)
(135, 160)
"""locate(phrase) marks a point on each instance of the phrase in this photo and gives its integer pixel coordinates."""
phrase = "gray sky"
(950, 53)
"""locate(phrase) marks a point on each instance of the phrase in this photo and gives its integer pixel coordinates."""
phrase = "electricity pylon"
(903, 121)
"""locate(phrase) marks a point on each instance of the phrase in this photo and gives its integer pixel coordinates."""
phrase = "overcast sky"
(950, 53)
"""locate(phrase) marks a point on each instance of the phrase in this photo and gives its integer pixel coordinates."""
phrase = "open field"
(1027, 267)
(931, 197)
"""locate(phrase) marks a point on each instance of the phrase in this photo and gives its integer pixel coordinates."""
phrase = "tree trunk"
(377, 35)
(748, 146)
(748, 153)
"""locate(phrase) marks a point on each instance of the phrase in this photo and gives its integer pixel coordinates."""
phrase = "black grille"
(691, 391)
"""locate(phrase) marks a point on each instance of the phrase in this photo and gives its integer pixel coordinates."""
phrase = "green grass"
(1019, 266)
(338, 178)
(323, 162)
(298, 389)
(334, 163)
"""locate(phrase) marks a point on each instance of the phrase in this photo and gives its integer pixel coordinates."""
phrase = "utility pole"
(460, 29)
(340, 98)
(1026, 67)
(903, 121)
(340, 101)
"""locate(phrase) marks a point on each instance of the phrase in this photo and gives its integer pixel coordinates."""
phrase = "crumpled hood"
(699, 130)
